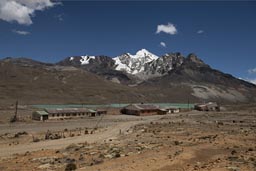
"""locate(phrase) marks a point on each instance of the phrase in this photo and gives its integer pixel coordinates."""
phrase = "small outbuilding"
(101, 111)
(172, 109)
(40, 115)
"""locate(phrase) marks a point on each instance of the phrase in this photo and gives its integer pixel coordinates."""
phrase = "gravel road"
(115, 124)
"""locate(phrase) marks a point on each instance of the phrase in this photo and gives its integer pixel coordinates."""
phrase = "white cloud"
(36, 4)
(162, 44)
(21, 32)
(252, 71)
(21, 11)
(200, 32)
(168, 29)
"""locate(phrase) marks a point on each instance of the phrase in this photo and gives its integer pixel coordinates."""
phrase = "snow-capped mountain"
(134, 64)
(143, 65)
(145, 77)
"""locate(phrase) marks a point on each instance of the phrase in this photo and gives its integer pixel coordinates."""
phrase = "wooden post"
(16, 109)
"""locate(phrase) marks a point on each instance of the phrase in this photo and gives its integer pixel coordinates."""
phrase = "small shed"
(40, 115)
(172, 109)
(162, 112)
(101, 111)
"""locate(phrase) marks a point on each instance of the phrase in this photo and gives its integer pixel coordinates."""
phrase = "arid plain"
(191, 140)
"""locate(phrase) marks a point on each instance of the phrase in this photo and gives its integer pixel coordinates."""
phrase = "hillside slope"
(94, 79)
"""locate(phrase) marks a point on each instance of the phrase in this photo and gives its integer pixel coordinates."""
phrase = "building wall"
(36, 116)
(69, 115)
(144, 112)
(131, 112)
(173, 110)
(148, 112)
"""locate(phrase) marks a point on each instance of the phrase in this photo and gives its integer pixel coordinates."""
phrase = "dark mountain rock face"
(25, 62)
(100, 65)
(163, 65)
(206, 83)
(143, 77)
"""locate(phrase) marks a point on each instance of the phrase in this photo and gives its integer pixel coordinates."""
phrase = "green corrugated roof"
(114, 105)
(93, 111)
(41, 112)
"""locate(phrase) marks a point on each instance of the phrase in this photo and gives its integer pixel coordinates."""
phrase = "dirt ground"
(210, 141)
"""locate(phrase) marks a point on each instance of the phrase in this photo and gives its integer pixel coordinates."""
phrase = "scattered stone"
(45, 160)
(45, 166)
(17, 135)
(233, 168)
(70, 167)
(73, 147)
(233, 152)
(177, 142)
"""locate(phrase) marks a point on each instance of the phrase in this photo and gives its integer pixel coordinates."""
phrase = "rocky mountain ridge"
(142, 77)
(142, 66)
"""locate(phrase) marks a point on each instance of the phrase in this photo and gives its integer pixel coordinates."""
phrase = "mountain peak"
(145, 53)
(142, 51)
(193, 58)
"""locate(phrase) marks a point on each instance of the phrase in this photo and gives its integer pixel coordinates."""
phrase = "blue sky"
(223, 34)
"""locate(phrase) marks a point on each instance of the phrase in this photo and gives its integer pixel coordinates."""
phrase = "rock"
(17, 135)
(45, 160)
(70, 167)
(233, 168)
(233, 152)
(177, 142)
(110, 156)
(73, 147)
(45, 166)
(98, 161)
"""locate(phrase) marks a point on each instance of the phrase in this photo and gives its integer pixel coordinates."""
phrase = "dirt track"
(109, 133)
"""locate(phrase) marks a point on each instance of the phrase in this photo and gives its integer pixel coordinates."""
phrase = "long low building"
(147, 109)
(210, 106)
(63, 113)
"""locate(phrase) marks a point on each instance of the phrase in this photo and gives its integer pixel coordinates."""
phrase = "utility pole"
(14, 118)
(16, 109)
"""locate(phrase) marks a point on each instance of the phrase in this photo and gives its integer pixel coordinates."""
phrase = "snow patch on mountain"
(71, 58)
(121, 66)
(134, 64)
(86, 59)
